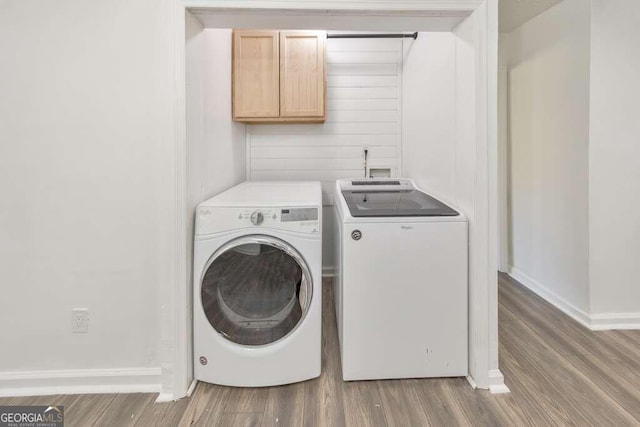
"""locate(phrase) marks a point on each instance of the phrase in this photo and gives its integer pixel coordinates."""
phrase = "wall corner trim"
(496, 382)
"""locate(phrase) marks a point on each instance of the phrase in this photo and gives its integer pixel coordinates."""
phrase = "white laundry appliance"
(401, 282)
(257, 296)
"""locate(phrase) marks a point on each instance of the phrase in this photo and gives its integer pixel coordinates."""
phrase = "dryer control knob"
(257, 218)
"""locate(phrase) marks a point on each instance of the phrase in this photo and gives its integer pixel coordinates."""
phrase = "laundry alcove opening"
(435, 134)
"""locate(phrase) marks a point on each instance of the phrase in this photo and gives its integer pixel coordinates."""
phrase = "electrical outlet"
(80, 320)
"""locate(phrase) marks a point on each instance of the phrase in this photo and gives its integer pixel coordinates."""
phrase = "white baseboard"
(80, 381)
(608, 321)
(170, 397)
(562, 304)
(165, 397)
(192, 388)
(496, 382)
(472, 382)
(328, 271)
(594, 322)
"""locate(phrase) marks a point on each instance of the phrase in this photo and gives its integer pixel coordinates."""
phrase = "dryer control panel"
(211, 220)
(299, 214)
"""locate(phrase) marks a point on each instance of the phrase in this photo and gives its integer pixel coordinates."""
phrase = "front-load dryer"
(258, 285)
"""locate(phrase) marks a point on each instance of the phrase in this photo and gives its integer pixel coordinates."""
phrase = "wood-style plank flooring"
(559, 373)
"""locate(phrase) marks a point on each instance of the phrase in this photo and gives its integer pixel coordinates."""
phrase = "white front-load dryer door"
(254, 294)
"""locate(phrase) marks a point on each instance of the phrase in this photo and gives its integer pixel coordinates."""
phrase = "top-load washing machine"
(401, 282)
(258, 285)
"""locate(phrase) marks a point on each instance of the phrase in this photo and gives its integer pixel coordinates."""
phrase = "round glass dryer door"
(256, 290)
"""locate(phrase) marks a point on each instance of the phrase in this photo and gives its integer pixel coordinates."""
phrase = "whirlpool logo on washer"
(406, 227)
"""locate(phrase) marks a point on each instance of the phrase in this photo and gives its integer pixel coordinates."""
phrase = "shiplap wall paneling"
(363, 110)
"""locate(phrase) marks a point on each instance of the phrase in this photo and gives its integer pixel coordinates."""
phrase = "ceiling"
(513, 13)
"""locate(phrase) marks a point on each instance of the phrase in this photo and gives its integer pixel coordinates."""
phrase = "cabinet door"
(302, 73)
(256, 90)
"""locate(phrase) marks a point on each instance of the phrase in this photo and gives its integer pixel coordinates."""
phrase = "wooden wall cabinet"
(279, 76)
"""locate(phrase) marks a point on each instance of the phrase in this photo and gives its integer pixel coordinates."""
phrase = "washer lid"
(394, 203)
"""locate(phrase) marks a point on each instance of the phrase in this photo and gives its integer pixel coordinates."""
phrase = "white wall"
(224, 162)
(428, 113)
(549, 137)
(476, 140)
(614, 223)
(504, 233)
(476, 53)
(216, 157)
(86, 137)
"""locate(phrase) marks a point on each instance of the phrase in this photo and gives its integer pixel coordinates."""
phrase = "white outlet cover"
(80, 320)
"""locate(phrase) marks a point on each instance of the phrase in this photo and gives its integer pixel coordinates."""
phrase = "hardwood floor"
(559, 373)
